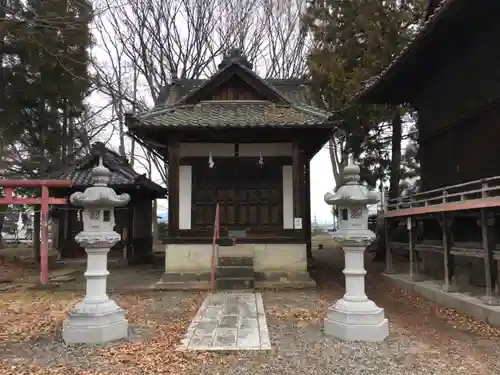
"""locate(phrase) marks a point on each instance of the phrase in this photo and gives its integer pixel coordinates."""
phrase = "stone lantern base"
(95, 323)
(356, 321)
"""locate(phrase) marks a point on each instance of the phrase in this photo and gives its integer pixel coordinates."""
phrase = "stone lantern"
(354, 317)
(97, 319)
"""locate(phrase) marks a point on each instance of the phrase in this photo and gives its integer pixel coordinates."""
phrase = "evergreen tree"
(44, 80)
(47, 82)
(354, 40)
(410, 163)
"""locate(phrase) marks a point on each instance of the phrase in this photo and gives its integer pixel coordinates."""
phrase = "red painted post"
(44, 202)
(44, 250)
(8, 193)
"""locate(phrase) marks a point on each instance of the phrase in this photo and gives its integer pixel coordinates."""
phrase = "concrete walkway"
(229, 321)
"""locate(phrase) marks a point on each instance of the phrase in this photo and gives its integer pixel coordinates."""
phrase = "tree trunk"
(395, 175)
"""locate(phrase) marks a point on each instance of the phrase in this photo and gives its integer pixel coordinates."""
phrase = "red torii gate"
(44, 201)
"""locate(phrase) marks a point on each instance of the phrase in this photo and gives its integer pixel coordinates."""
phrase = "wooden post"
(389, 269)
(448, 257)
(414, 272)
(65, 242)
(44, 251)
(307, 206)
(298, 182)
(173, 188)
(488, 236)
(411, 246)
(36, 236)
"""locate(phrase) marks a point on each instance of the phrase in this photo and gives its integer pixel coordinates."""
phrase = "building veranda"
(243, 143)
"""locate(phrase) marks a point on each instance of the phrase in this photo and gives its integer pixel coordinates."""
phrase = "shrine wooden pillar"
(307, 214)
(298, 173)
(173, 187)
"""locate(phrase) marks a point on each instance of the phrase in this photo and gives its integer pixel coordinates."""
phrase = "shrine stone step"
(228, 283)
(235, 261)
(246, 271)
(237, 250)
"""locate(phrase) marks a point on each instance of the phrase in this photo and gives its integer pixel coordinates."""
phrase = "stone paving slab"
(229, 321)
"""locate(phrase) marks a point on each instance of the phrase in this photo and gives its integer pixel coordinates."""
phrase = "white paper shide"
(97, 319)
(354, 317)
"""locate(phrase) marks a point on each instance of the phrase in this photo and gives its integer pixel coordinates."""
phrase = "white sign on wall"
(297, 223)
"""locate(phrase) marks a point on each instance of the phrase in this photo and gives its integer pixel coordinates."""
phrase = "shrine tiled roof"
(239, 113)
(295, 90)
(438, 12)
(191, 103)
(122, 174)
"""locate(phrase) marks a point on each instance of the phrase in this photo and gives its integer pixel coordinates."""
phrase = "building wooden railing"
(477, 194)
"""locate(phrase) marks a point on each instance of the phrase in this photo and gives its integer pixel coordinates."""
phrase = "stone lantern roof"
(100, 194)
(352, 193)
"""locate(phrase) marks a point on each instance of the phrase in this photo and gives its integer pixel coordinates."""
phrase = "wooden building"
(449, 74)
(244, 143)
(134, 221)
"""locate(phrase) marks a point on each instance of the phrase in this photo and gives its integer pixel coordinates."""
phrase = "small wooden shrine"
(243, 143)
(448, 73)
(133, 221)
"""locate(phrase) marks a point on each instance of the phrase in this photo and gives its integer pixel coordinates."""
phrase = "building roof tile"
(239, 113)
(123, 176)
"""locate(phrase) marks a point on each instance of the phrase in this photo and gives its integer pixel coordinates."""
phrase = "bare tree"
(19, 156)
(143, 45)
(159, 41)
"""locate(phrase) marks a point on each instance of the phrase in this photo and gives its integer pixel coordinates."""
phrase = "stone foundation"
(276, 265)
(89, 325)
(356, 321)
(469, 271)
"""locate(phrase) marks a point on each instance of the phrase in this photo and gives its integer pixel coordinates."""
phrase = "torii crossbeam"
(44, 201)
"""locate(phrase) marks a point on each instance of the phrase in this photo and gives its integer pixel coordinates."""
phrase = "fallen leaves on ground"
(28, 315)
(34, 314)
(450, 317)
(12, 271)
(276, 309)
(157, 355)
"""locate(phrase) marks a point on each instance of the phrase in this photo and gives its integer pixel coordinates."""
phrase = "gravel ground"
(425, 338)
(299, 347)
